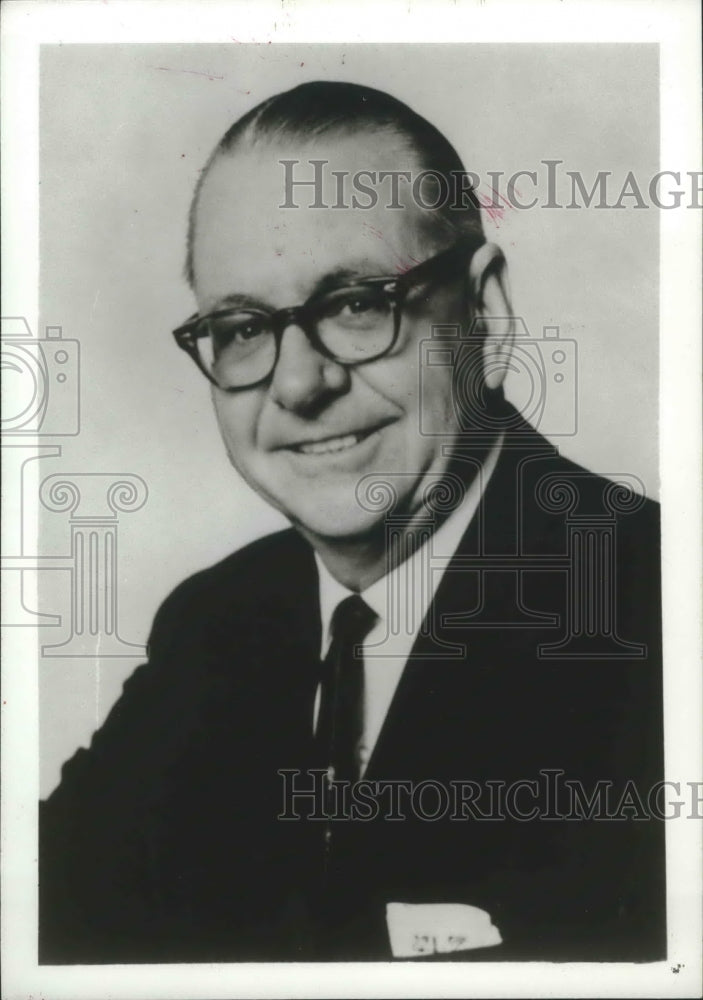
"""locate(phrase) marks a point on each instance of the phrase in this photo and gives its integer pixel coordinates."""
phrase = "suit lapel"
(451, 663)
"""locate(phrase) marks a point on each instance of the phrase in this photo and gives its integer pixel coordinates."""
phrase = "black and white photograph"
(347, 556)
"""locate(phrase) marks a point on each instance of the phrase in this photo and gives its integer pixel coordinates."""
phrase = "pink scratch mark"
(195, 72)
(494, 211)
(402, 268)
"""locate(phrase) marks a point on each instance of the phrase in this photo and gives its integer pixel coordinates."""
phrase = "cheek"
(237, 418)
(435, 401)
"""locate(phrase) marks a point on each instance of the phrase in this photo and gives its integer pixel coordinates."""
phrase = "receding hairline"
(274, 120)
(433, 229)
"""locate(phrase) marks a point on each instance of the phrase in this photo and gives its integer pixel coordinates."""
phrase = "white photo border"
(675, 26)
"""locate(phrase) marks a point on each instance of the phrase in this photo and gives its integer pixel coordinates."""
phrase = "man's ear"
(490, 295)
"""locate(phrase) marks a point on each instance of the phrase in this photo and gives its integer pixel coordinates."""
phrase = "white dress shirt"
(401, 600)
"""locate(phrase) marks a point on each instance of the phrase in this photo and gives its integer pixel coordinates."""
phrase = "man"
(348, 738)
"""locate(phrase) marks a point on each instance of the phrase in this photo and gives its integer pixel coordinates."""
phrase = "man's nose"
(304, 379)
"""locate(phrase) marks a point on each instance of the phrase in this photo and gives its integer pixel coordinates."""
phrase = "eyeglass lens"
(354, 324)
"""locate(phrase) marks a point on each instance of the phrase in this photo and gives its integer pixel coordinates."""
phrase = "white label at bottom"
(417, 929)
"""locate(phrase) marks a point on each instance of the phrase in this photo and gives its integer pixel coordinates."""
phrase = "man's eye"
(236, 332)
(246, 331)
(357, 305)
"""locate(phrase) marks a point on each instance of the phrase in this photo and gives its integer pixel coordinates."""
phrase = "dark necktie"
(341, 718)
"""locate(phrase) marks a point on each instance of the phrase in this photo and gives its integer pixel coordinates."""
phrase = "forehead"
(246, 242)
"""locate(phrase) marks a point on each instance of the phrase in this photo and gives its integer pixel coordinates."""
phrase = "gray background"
(124, 130)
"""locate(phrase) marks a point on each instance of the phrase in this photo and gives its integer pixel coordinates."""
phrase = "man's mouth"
(334, 444)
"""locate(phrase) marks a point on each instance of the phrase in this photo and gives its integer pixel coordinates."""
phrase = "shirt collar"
(445, 541)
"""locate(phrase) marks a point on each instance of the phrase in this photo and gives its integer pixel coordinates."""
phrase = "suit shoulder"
(541, 472)
(594, 493)
(197, 626)
(246, 571)
(572, 498)
(244, 578)
(617, 497)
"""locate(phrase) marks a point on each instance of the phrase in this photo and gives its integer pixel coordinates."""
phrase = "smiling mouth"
(332, 445)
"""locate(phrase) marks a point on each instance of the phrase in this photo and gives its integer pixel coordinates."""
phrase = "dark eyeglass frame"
(442, 265)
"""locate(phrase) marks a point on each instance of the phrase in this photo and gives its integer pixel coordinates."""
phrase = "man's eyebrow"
(340, 276)
(238, 300)
(336, 278)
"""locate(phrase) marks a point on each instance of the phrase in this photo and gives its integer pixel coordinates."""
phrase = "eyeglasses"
(352, 324)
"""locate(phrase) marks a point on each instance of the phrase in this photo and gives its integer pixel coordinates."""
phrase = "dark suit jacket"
(162, 841)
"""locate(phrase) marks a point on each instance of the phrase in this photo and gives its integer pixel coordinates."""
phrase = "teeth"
(331, 445)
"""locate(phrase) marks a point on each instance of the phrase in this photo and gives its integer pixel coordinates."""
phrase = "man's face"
(304, 439)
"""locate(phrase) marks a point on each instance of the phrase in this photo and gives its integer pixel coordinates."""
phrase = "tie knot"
(352, 620)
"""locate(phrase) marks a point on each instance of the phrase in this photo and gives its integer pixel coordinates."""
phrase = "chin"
(337, 523)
